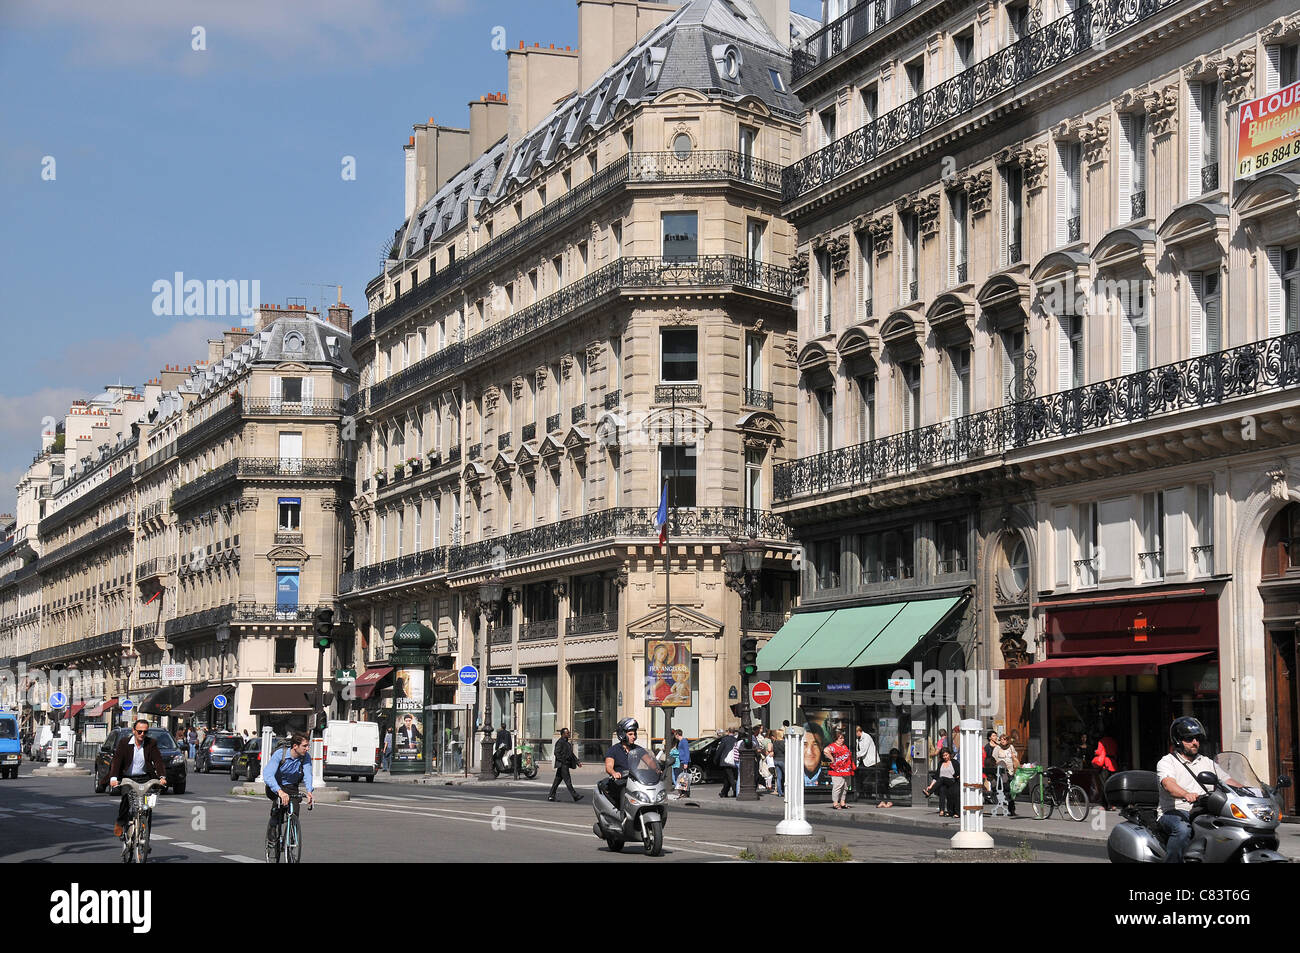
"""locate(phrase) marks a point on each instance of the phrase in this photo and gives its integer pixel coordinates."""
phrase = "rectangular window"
(1283, 280)
(437, 520)
(963, 52)
(1132, 166)
(290, 514)
(826, 563)
(823, 260)
(866, 409)
(1135, 330)
(1017, 22)
(869, 97)
(897, 555)
(952, 541)
(1088, 530)
(1013, 364)
(827, 117)
(1206, 308)
(401, 532)
(911, 377)
(825, 420)
(616, 240)
(286, 656)
(1280, 66)
(866, 284)
(679, 355)
(419, 526)
(753, 361)
(910, 261)
(290, 451)
(680, 235)
(1068, 216)
(959, 381)
(1202, 138)
(616, 363)
(286, 589)
(677, 467)
(754, 238)
(754, 479)
(1070, 355)
(1012, 208)
(914, 74)
(557, 272)
(747, 140)
(1153, 521)
(957, 237)
(1203, 551)
(583, 258)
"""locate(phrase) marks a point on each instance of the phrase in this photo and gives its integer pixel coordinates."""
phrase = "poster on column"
(408, 710)
(667, 673)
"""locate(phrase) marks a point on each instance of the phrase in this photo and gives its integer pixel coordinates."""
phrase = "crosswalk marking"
(43, 806)
(153, 836)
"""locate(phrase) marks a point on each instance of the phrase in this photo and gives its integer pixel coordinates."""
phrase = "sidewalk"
(1006, 831)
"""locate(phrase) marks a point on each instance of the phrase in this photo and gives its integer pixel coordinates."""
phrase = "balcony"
(105, 643)
(1152, 565)
(215, 424)
(578, 414)
(528, 432)
(1138, 205)
(427, 562)
(1210, 178)
(591, 624)
(758, 398)
(678, 393)
(844, 33)
(266, 407)
(539, 631)
(704, 165)
(1209, 380)
(86, 543)
(1073, 229)
(284, 538)
(1009, 70)
(553, 423)
(503, 441)
(157, 566)
(259, 468)
(499, 635)
(764, 621)
(613, 399)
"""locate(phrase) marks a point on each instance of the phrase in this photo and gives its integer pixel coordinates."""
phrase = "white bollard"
(268, 741)
(972, 833)
(318, 762)
(794, 822)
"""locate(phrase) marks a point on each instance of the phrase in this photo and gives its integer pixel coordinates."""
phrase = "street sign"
(761, 693)
(345, 675)
(467, 695)
(219, 702)
(126, 704)
(901, 684)
(468, 675)
(58, 701)
(174, 673)
(150, 674)
(507, 681)
(519, 697)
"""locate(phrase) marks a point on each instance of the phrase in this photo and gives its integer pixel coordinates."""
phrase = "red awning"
(73, 709)
(368, 681)
(104, 706)
(1099, 665)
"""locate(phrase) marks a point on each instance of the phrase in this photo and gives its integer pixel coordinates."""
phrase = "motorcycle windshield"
(643, 767)
(1239, 769)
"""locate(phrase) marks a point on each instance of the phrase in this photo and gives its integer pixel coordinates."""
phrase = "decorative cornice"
(1033, 163)
(798, 265)
(1162, 107)
(1238, 77)
(247, 503)
(1095, 137)
(881, 229)
(927, 215)
(594, 350)
(978, 187)
(1283, 28)
(838, 246)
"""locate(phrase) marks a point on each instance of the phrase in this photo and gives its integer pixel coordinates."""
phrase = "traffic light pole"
(748, 790)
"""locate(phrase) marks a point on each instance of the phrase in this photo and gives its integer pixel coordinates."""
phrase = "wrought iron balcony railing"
(499, 635)
(538, 631)
(528, 432)
(1013, 253)
(1211, 379)
(913, 290)
(284, 538)
(591, 624)
(195, 621)
(1073, 229)
(1210, 178)
(552, 423)
(223, 418)
(259, 468)
(843, 33)
(961, 272)
(702, 164)
(157, 566)
(613, 399)
(706, 522)
(757, 621)
(1005, 71)
(427, 562)
(503, 441)
(297, 408)
(678, 393)
(578, 414)
(85, 543)
(758, 398)
(81, 648)
(1138, 204)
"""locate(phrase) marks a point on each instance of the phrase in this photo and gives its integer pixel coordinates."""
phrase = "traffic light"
(748, 656)
(741, 711)
(324, 621)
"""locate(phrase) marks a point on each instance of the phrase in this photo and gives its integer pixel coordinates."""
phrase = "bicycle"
(288, 835)
(135, 838)
(1053, 788)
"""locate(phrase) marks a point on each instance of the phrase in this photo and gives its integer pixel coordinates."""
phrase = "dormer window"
(728, 60)
(293, 342)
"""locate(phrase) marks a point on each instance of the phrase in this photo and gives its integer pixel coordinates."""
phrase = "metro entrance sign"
(761, 693)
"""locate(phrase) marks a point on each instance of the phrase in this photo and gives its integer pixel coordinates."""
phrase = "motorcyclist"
(620, 758)
(503, 746)
(1179, 789)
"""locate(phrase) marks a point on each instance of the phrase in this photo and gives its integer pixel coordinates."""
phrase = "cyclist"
(289, 765)
(136, 757)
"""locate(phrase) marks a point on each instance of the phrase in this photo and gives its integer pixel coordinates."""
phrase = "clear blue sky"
(222, 163)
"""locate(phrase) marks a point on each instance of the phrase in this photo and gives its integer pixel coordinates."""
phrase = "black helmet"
(1185, 729)
(624, 726)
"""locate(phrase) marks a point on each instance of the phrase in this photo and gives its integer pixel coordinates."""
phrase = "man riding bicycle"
(288, 766)
(136, 757)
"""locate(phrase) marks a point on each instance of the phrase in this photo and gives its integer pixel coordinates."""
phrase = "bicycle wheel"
(1076, 802)
(128, 843)
(142, 839)
(1040, 799)
(273, 844)
(293, 840)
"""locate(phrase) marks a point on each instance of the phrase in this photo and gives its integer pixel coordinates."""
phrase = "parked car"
(217, 751)
(702, 769)
(248, 763)
(11, 755)
(172, 756)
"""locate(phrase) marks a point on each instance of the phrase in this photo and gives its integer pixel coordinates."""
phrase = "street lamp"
(744, 564)
(489, 601)
(223, 635)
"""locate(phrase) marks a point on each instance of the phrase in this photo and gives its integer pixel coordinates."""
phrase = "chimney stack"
(488, 119)
(538, 77)
(609, 28)
(340, 316)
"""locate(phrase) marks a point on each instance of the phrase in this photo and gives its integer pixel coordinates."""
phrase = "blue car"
(11, 752)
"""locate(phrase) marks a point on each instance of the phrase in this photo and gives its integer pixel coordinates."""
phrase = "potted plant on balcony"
(434, 456)
(414, 463)
(399, 470)
(381, 478)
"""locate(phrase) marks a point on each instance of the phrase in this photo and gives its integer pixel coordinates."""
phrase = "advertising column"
(408, 712)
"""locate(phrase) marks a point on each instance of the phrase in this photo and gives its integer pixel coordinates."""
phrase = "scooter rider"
(1179, 789)
(503, 746)
(619, 758)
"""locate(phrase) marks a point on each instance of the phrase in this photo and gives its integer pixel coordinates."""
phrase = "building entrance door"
(1284, 708)
(449, 726)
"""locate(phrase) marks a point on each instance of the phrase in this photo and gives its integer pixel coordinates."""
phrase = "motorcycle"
(636, 812)
(503, 762)
(1230, 823)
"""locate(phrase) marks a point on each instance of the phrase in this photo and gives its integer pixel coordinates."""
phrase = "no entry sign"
(761, 693)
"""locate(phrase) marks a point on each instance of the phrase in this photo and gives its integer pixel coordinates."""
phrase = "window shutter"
(1272, 69)
(1195, 149)
(1125, 167)
(308, 394)
(276, 390)
(1076, 192)
(1062, 198)
(1292, 307)
(1139, 130)
(1142, 342)
(1064, 357)
(1004, 226)
(1214, 324)
(1062, 530)
(908, 423)
(1275, 297)
(1127, 343)
(954, 386)
(903, 249)
(950, 250)
(863, 264)
(1175, 532)
(1196, 303)
(1210, 106)
(1008, 373)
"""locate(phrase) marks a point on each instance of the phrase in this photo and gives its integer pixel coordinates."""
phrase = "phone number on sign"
(1271, 158)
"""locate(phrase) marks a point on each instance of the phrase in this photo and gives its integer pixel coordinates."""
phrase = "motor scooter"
(636, 810)
(1231, 823)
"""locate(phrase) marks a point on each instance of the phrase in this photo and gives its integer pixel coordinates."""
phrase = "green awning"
(844, 636)
(798, 629)
(855, 637)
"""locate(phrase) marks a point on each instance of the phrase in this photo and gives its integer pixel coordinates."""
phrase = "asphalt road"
(56, 820)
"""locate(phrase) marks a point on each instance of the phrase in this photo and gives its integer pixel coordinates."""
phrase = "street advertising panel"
(668, 673)
(1268, 132)
(820, 726)
(408, 710)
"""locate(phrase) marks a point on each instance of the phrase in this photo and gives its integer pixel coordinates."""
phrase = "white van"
(351, 749)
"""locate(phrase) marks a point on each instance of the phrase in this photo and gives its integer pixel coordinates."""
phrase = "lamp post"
(223, 636)
(744, 564)
(489, 600)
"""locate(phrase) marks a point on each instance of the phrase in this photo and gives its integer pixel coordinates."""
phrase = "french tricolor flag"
(661, 517)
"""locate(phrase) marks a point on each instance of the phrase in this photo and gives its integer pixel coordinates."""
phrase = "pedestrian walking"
(388, 749)
(841, 770)
(565, 760)
(947, 782)
(192, 739)
(728, 748)
(1006, 761)
(681, 759)
(778, 758)
(868, 758)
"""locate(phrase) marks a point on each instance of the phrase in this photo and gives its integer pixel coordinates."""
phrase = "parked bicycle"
(288, 835)
(1052, 789)
(135, 836)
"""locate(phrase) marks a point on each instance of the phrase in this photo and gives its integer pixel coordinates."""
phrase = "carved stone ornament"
(979, 187)
(791, 347)
(594, 350)
(490, 398)
(566, 366)
(1033, 162)
(540, 374)
(1131, 101)
(881, 229)
(1283, 28)
(1068, 129)
(1205, 66)
(1015, 652)
(760, 444)
(798, 266)
(678, 316)
(518, 384)
(1238, 77)
(1162, 107)
(927, 215)
(1095, 137)
(839, 252)
(1277, 487)
(248, 503)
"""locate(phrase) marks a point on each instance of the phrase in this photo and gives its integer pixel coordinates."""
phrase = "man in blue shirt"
(285, 769)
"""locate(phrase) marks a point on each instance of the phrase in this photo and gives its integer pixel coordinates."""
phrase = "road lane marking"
(201, 848)
(240, 859)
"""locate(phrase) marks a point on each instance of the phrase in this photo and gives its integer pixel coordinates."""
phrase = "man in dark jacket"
(564, 760)
(136, 757)
(729, 741)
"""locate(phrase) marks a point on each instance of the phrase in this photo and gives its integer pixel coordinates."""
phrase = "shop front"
(200, 710)
(1118, 671)
(845, 663)
(595, 708)
(158, 705)
(284, 707)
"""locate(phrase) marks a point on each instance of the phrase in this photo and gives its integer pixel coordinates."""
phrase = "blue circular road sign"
(219, 702)
(58, 701)
(468, 675)
(126, 704)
